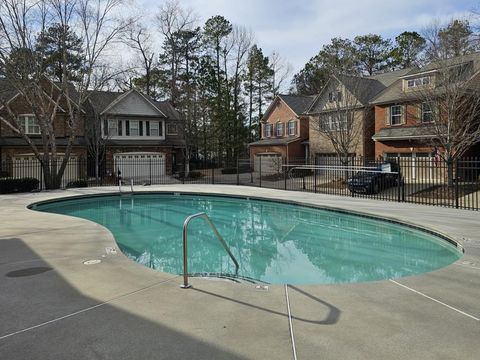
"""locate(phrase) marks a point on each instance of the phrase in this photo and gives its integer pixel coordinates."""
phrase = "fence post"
(238, 172)
(213, 172)
(456, 178)
(260, 169)
(399, 180)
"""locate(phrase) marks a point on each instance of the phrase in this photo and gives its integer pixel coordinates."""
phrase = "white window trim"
(25, 126)
(279, 125)
(268, 130)
(138, 137)
(396, 115)
(294, 128)
(423, 112)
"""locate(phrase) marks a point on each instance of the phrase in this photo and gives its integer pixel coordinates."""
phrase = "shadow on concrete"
(331, 318)
(333, 312)
(40, 295)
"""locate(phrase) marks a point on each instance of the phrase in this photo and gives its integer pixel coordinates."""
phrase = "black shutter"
(147, 125)
(160, 128)
(120, 128)
(127, 128)
(140, 132)
(105, 127)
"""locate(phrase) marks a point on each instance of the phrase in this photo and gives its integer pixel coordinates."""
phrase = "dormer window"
(279, 129)
(417, 82)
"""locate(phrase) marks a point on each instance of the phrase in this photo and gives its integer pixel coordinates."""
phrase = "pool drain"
(92, 262)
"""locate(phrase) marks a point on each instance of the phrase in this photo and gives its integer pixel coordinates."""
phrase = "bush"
(77, 184)
(11, 185)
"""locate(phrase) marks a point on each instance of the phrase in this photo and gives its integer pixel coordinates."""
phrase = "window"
(112, 128)
(292, 128)
(420, 81)
(134, 128)
(279, 129)
(396, 114)
(268, 130)
(29, 124)
(427, 113)
(336, 122)
(334, 96)
(154, 128)
(171, 129)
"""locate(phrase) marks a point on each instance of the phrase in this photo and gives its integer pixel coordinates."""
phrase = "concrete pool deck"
(55, 307)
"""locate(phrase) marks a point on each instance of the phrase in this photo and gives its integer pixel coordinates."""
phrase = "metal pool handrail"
(204, 216)
(120, 185)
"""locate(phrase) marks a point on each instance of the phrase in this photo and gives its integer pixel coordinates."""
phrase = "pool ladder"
(120, 186)
(204, 216)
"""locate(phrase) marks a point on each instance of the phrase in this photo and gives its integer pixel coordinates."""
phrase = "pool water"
(273, 242)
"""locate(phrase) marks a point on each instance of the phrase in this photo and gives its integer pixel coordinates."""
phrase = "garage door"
(27, 165)
(326, 161)
(270, 163)
(140, 166)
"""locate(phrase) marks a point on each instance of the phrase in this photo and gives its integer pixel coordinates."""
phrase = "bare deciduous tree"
(449, 104)
(281, 71)
(21, 21)
(343, 117)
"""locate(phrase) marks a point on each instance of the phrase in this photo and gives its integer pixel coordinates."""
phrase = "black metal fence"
(421, 180)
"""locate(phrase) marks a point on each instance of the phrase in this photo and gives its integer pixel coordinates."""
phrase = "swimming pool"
(273, 242)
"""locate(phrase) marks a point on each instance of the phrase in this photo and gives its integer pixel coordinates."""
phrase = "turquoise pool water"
(273, 242)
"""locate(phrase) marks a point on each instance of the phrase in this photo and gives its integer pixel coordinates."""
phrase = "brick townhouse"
(284, 132)
(134, 128)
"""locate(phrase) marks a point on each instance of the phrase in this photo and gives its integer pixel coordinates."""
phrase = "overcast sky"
(297, 29)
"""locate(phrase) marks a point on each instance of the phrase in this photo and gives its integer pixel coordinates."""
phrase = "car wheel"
(375, 188)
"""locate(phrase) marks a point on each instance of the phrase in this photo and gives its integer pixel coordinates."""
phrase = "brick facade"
(406, 146)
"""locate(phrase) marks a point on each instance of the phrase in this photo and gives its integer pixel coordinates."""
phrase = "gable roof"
(388, 78)
(395, 92)
(363, 88)
(297, 103)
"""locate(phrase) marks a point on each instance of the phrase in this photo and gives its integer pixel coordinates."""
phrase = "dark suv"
(375, 178)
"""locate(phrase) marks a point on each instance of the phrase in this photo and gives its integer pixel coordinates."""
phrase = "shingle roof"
(390, 77)
(298, 103)
(405, 132)
(395, 92)
(100, 100)
(274, 141)
(364, 89)
(7, 91)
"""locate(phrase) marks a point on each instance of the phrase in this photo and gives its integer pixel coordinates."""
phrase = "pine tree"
(61, 52)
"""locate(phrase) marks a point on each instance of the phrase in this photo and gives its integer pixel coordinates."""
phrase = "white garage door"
(327, 161)
(27, 165)
(140, 166)
(269, 163)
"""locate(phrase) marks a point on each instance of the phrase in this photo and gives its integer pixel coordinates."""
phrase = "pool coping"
(385, 305)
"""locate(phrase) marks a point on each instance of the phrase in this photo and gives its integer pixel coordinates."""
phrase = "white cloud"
(298, 29)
